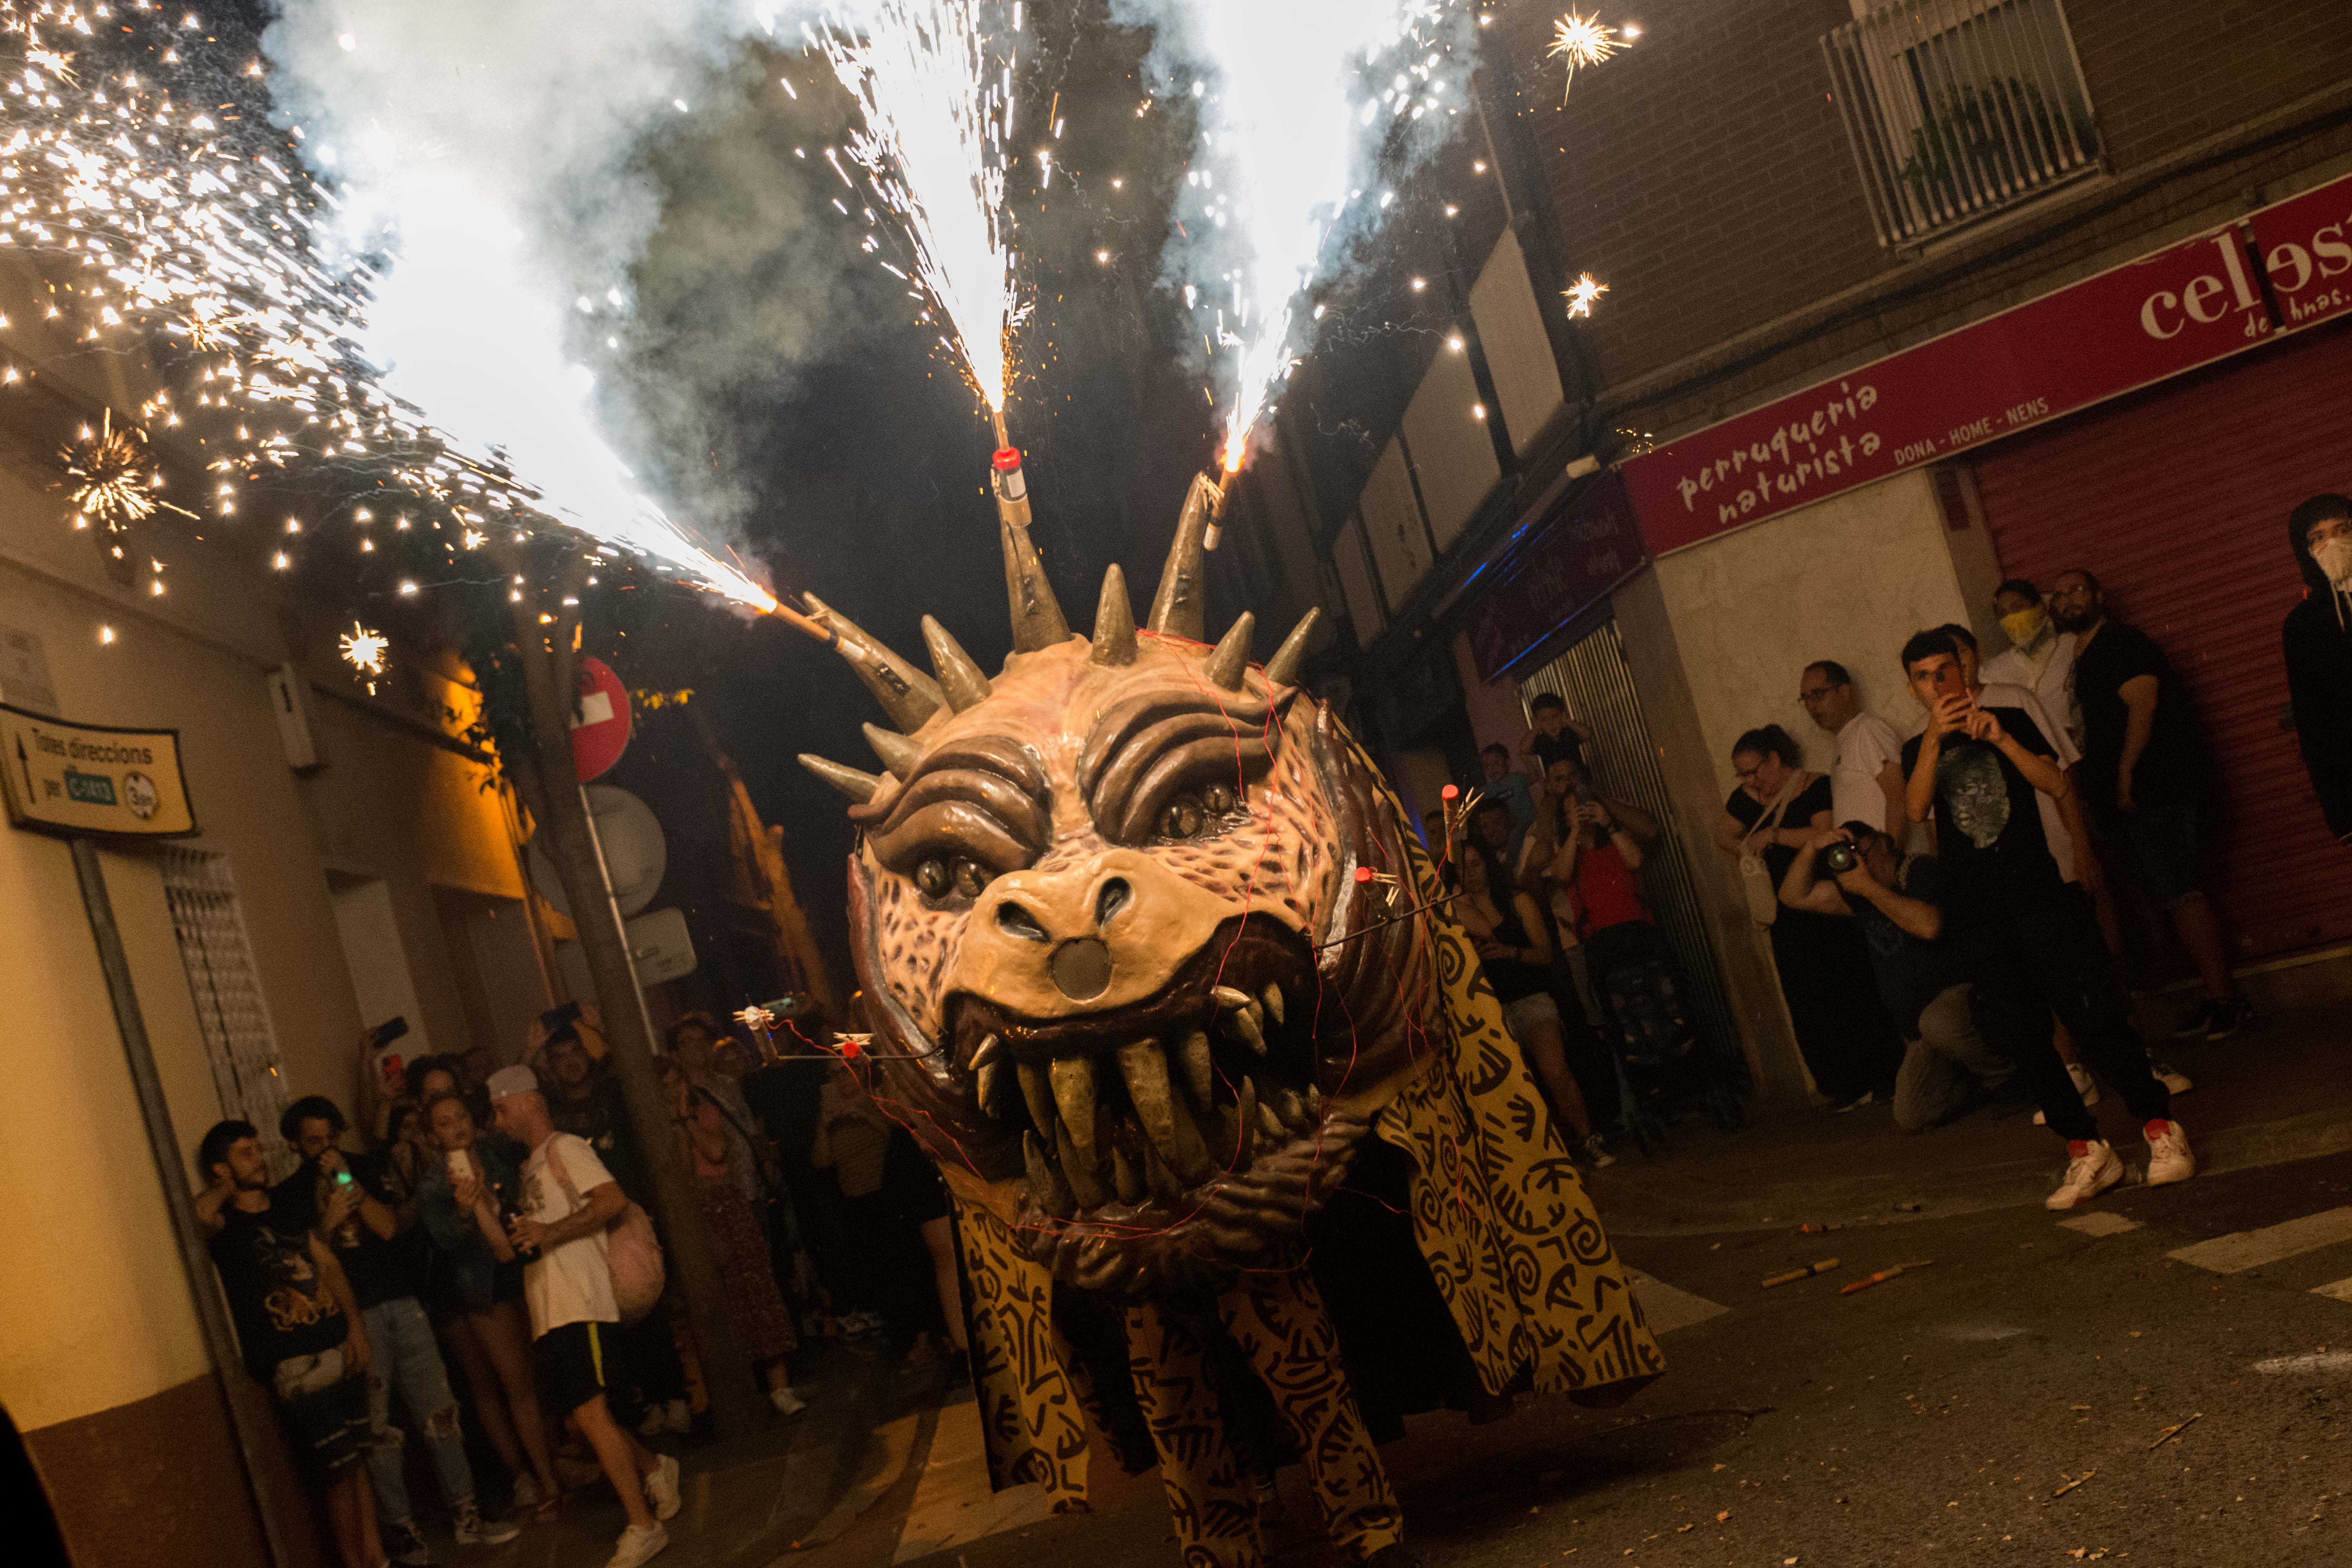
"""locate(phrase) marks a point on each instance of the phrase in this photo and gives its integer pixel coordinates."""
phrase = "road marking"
(2099, 1223)
(1666, 1308)
(2326, 1361)
(953, 1505)
(2340, 1289)
(2246, 1249)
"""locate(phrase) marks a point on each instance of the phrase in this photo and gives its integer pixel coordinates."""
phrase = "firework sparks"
(937, 111)
(1582, 293)
(364, 651)
(111, 481)
(1581, 41)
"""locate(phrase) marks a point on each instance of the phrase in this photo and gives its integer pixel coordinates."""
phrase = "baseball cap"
(515, 1080)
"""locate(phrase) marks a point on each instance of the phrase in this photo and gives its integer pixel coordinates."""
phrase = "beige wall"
(94, 1310)
(1848, 578)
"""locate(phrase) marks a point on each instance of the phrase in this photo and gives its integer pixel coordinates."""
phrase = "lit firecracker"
(364, 651)
(1582, 293)
(111, 481)
(1581, 41)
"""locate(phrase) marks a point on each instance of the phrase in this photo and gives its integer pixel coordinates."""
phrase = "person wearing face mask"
(2040, 658)
(2319, 639)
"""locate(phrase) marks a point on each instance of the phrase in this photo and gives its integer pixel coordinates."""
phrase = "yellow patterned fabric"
(1029, 1404)
(1498, 1208)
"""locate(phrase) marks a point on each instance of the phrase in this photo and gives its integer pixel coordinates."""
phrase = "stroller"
(1652, 1040)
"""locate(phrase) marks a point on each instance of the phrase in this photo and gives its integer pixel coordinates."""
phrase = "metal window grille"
(1957, 108)
(230, 1008)
(1593, 679)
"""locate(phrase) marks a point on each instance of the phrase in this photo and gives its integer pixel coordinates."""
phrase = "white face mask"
(2334, 558)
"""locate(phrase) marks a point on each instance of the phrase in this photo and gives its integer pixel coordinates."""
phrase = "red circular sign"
(599, 727)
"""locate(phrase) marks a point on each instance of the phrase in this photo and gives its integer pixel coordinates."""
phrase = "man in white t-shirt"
(568, 1285)
(1866, 784)
(2040, 657)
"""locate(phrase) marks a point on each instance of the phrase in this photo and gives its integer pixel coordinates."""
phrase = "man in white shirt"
(1866, 784)
(568, 1201)
(2040, 657)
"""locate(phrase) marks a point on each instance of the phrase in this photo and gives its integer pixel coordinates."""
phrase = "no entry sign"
(600, 729)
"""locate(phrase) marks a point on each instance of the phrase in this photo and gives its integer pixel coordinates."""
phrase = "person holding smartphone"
(2033, 949)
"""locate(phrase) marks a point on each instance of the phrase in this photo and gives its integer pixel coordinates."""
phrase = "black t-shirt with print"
(280, 1305)
(1989, 837)
(379, 1271)
(1567, 745)
(2171, 768)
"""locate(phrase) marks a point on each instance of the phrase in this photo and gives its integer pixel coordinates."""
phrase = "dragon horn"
(960, 679)
(904, 692)
(899, 753)
(859, 787)
(1037, 620)
(1230, 662)
(1282, 670)
(1178, 607)
(1114, 638)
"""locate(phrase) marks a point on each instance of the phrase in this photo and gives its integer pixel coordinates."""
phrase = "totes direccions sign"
(2186, 306)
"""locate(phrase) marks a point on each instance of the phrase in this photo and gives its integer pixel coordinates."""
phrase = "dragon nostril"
(1115, 896)
(1082, 968)
(1013, 918)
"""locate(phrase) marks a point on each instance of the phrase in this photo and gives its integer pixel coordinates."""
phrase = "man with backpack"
(568, 1200)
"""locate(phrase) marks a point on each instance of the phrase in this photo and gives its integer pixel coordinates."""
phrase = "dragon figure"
(1160, 978)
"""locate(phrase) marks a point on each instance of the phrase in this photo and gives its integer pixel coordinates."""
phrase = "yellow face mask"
(2024, 626)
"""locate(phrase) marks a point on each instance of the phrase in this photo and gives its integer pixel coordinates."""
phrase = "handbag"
(1755, 877)
(632, 1252)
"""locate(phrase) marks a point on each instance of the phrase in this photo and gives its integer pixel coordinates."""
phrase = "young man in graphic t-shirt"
(568, 1285)
(2032, 948)
(299, 1324)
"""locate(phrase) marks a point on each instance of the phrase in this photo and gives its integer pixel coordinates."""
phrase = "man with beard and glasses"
(2033, 949)
(2144, 770)
(1867, 785)
(2318, 638)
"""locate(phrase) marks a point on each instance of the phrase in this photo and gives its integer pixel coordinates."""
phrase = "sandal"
(548, 1513)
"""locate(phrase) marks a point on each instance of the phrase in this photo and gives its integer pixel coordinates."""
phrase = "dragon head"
(1127, 981)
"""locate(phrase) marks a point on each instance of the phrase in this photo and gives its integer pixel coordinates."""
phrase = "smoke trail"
(492, 163)
(1298, 107)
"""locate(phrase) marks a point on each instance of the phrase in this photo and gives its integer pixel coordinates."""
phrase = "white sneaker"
(2085, 1085)
(786, 1402)
(2172, 1077)
(2092, 1171)
(527, 1493)
(2168, 1158)
(679, 1416)
(656, 1423)
(661, 1491)
(638, 1546)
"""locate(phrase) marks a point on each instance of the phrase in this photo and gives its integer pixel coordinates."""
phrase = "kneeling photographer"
(1856, 870)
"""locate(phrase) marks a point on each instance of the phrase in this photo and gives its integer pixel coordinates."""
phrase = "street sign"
(636, 852)
(93, 778)
(600, 730)
(658, 946)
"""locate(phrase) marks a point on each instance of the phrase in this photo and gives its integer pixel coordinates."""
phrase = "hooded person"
(2319, 648)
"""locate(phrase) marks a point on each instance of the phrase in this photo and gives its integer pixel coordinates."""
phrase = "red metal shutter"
(2178, 499)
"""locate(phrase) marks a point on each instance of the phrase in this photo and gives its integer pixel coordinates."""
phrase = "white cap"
(517, 1080)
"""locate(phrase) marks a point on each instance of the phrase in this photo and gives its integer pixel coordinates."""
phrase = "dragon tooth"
(1314, 1099)
(1073, 1080)
(1159, 1177)
(1241, 1128)
(988, 1051)
(1199, 1067)
(1243, 1021)
(1123, 1173)
(1086, 1183)
(1272, 996)
(1270, 1124)
(1040, 1097)
(1045, 1183)
(991, 1086)
(1293, 1109)
(1165, 1123)
(1229, 997)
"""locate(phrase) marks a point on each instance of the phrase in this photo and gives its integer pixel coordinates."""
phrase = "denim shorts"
(1529, 1011)
(2164, 841)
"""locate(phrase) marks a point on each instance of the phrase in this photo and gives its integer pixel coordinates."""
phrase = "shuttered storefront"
(2178, 499)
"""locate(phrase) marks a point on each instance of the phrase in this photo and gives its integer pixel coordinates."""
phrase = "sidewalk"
(2279, 1089)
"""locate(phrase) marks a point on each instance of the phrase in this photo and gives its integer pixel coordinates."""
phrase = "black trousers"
(2046, 960)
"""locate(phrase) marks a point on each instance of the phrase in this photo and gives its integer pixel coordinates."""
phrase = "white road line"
(2245, 1249)
(2340, 1289)
(2098, 1222)
(1666, 1308)
(953, 1505)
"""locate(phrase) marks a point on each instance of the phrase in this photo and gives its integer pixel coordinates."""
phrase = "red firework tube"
(1446, 798)
(1011, 486)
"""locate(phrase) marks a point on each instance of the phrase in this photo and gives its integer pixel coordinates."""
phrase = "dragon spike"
(1114, 639)
(899, 753)
(859, 787)
(1180, 606)
(960, 679)
(1282, 670)
(1037, 620)
(906, 693)
(1230, 662)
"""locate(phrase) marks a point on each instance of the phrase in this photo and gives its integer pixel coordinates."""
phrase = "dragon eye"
(932, 877)
(1181, 817)
(970, 879)
(1217, 799)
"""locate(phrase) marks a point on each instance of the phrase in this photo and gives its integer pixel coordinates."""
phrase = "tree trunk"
(551, 787)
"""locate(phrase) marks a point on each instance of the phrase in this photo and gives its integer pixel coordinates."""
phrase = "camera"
(1842, 857)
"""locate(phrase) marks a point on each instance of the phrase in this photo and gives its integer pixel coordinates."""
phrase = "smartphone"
(343, 1178)
(384, 1033)
(555, 1018)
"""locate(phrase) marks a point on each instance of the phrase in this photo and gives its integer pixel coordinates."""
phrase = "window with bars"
(230, 1009)
(1957, 108)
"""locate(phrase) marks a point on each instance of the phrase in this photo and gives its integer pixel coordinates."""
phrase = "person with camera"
(299, 1324)
(2033, 947)
(354, 1213)
(1856, 870)
(567, 1203)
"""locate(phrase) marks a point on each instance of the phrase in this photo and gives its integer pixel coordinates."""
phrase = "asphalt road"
(1940, 1417)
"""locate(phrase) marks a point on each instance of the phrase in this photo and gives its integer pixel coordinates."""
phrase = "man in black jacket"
(2318, 639)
